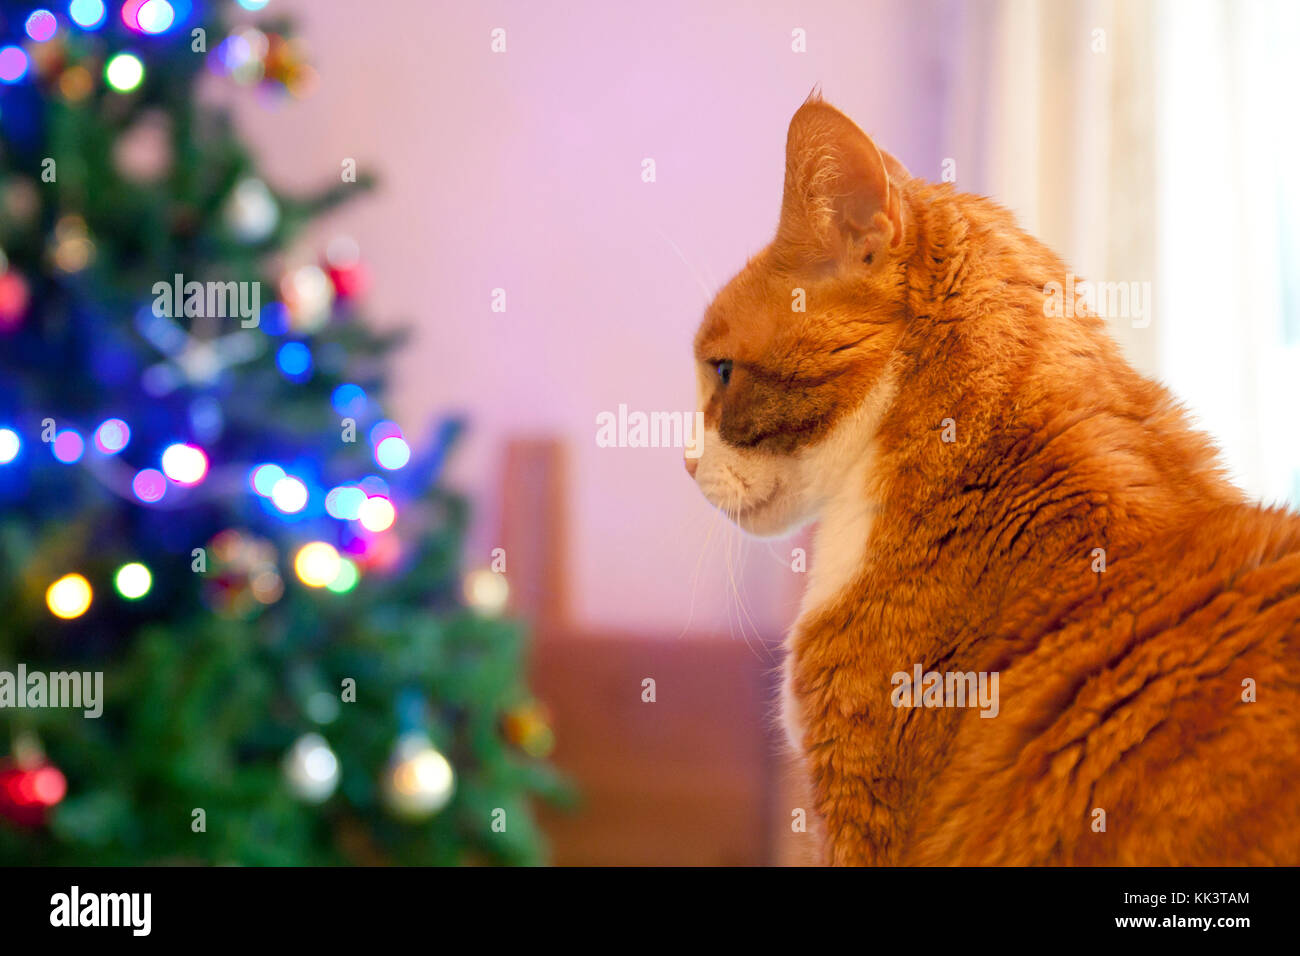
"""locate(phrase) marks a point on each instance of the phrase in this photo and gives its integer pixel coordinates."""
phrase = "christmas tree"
(235, 628)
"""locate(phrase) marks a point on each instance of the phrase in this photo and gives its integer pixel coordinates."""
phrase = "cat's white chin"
(762, 494)
(771, 517)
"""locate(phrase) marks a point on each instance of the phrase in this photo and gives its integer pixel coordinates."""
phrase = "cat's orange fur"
(1121, 690)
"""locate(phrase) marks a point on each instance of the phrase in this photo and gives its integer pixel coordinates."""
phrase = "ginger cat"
(998, 495)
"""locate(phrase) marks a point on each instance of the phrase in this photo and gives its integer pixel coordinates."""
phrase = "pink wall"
(523, 171)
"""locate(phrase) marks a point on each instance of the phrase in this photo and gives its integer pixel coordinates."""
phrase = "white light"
(289, 495)
(376, 514)
(9, 445)
(133, 580)
(124, 72)
(155, 16)
(184, 464)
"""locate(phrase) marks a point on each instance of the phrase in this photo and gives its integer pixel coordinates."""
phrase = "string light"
(149, 485)
(48, 786)
(133, 581)
(392, 453)
(73, 248)
(275, 318)
(294, 360)
(376, 514)
(131, 13)
(184, 464)
(384, 429)
(69, 446)
(344, 502)
(14, 296)
(88, 14)
(10, 445)
(124, 72)
(317, 564)
(312, 769)
(308, 294)
(68, 597)
(420, 780)
(13, 64)
(347, 577)
(486, 591)
(41, 25)
(289, 495)
(156, 16)
(112, 436)
(349, 399)
(264, 477)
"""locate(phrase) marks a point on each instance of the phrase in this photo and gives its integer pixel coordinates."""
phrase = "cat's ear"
(842, 202)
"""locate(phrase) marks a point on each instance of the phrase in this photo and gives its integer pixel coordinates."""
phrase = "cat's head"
(792, 355)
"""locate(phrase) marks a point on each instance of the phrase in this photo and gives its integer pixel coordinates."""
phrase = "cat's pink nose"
(691, 465)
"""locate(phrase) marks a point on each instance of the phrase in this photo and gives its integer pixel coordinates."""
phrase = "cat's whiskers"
(716, 520)
(704, 288)
(742, 611)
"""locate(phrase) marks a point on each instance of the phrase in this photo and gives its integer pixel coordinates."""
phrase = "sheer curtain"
(1229, 260)
(1153, 141)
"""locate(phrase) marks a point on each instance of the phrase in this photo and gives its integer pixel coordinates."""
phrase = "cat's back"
(1149, 715)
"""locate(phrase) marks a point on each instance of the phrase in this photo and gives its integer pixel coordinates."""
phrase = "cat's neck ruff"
(842, 472)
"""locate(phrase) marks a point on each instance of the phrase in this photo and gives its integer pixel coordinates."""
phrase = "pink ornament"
(13, 299)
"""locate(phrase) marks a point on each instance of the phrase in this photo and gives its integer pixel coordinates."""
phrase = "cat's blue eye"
(724, 370)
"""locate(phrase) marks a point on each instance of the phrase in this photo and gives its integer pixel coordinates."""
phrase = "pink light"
(68, 446)
(48, 786)
(42, 25)
(131, 14)
(149, 485)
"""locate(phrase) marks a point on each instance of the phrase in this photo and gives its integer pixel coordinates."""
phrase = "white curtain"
(1154, 141)
(1229, 263)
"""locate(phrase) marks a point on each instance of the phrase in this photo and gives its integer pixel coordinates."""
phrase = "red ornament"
(350, 281)
(28, 793)
(342, 263)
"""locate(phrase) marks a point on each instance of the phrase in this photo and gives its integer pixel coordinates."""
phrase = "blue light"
(349, 399)
(275, 318)
(384, 429)
(88, 14)
(392, 453)
(344, 502)
(264, 477)
(294, 360)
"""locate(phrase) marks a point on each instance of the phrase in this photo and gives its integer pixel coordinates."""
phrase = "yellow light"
(76, 83)
(68, 597)
(376, 513)
(317, 564)
(487, 591)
